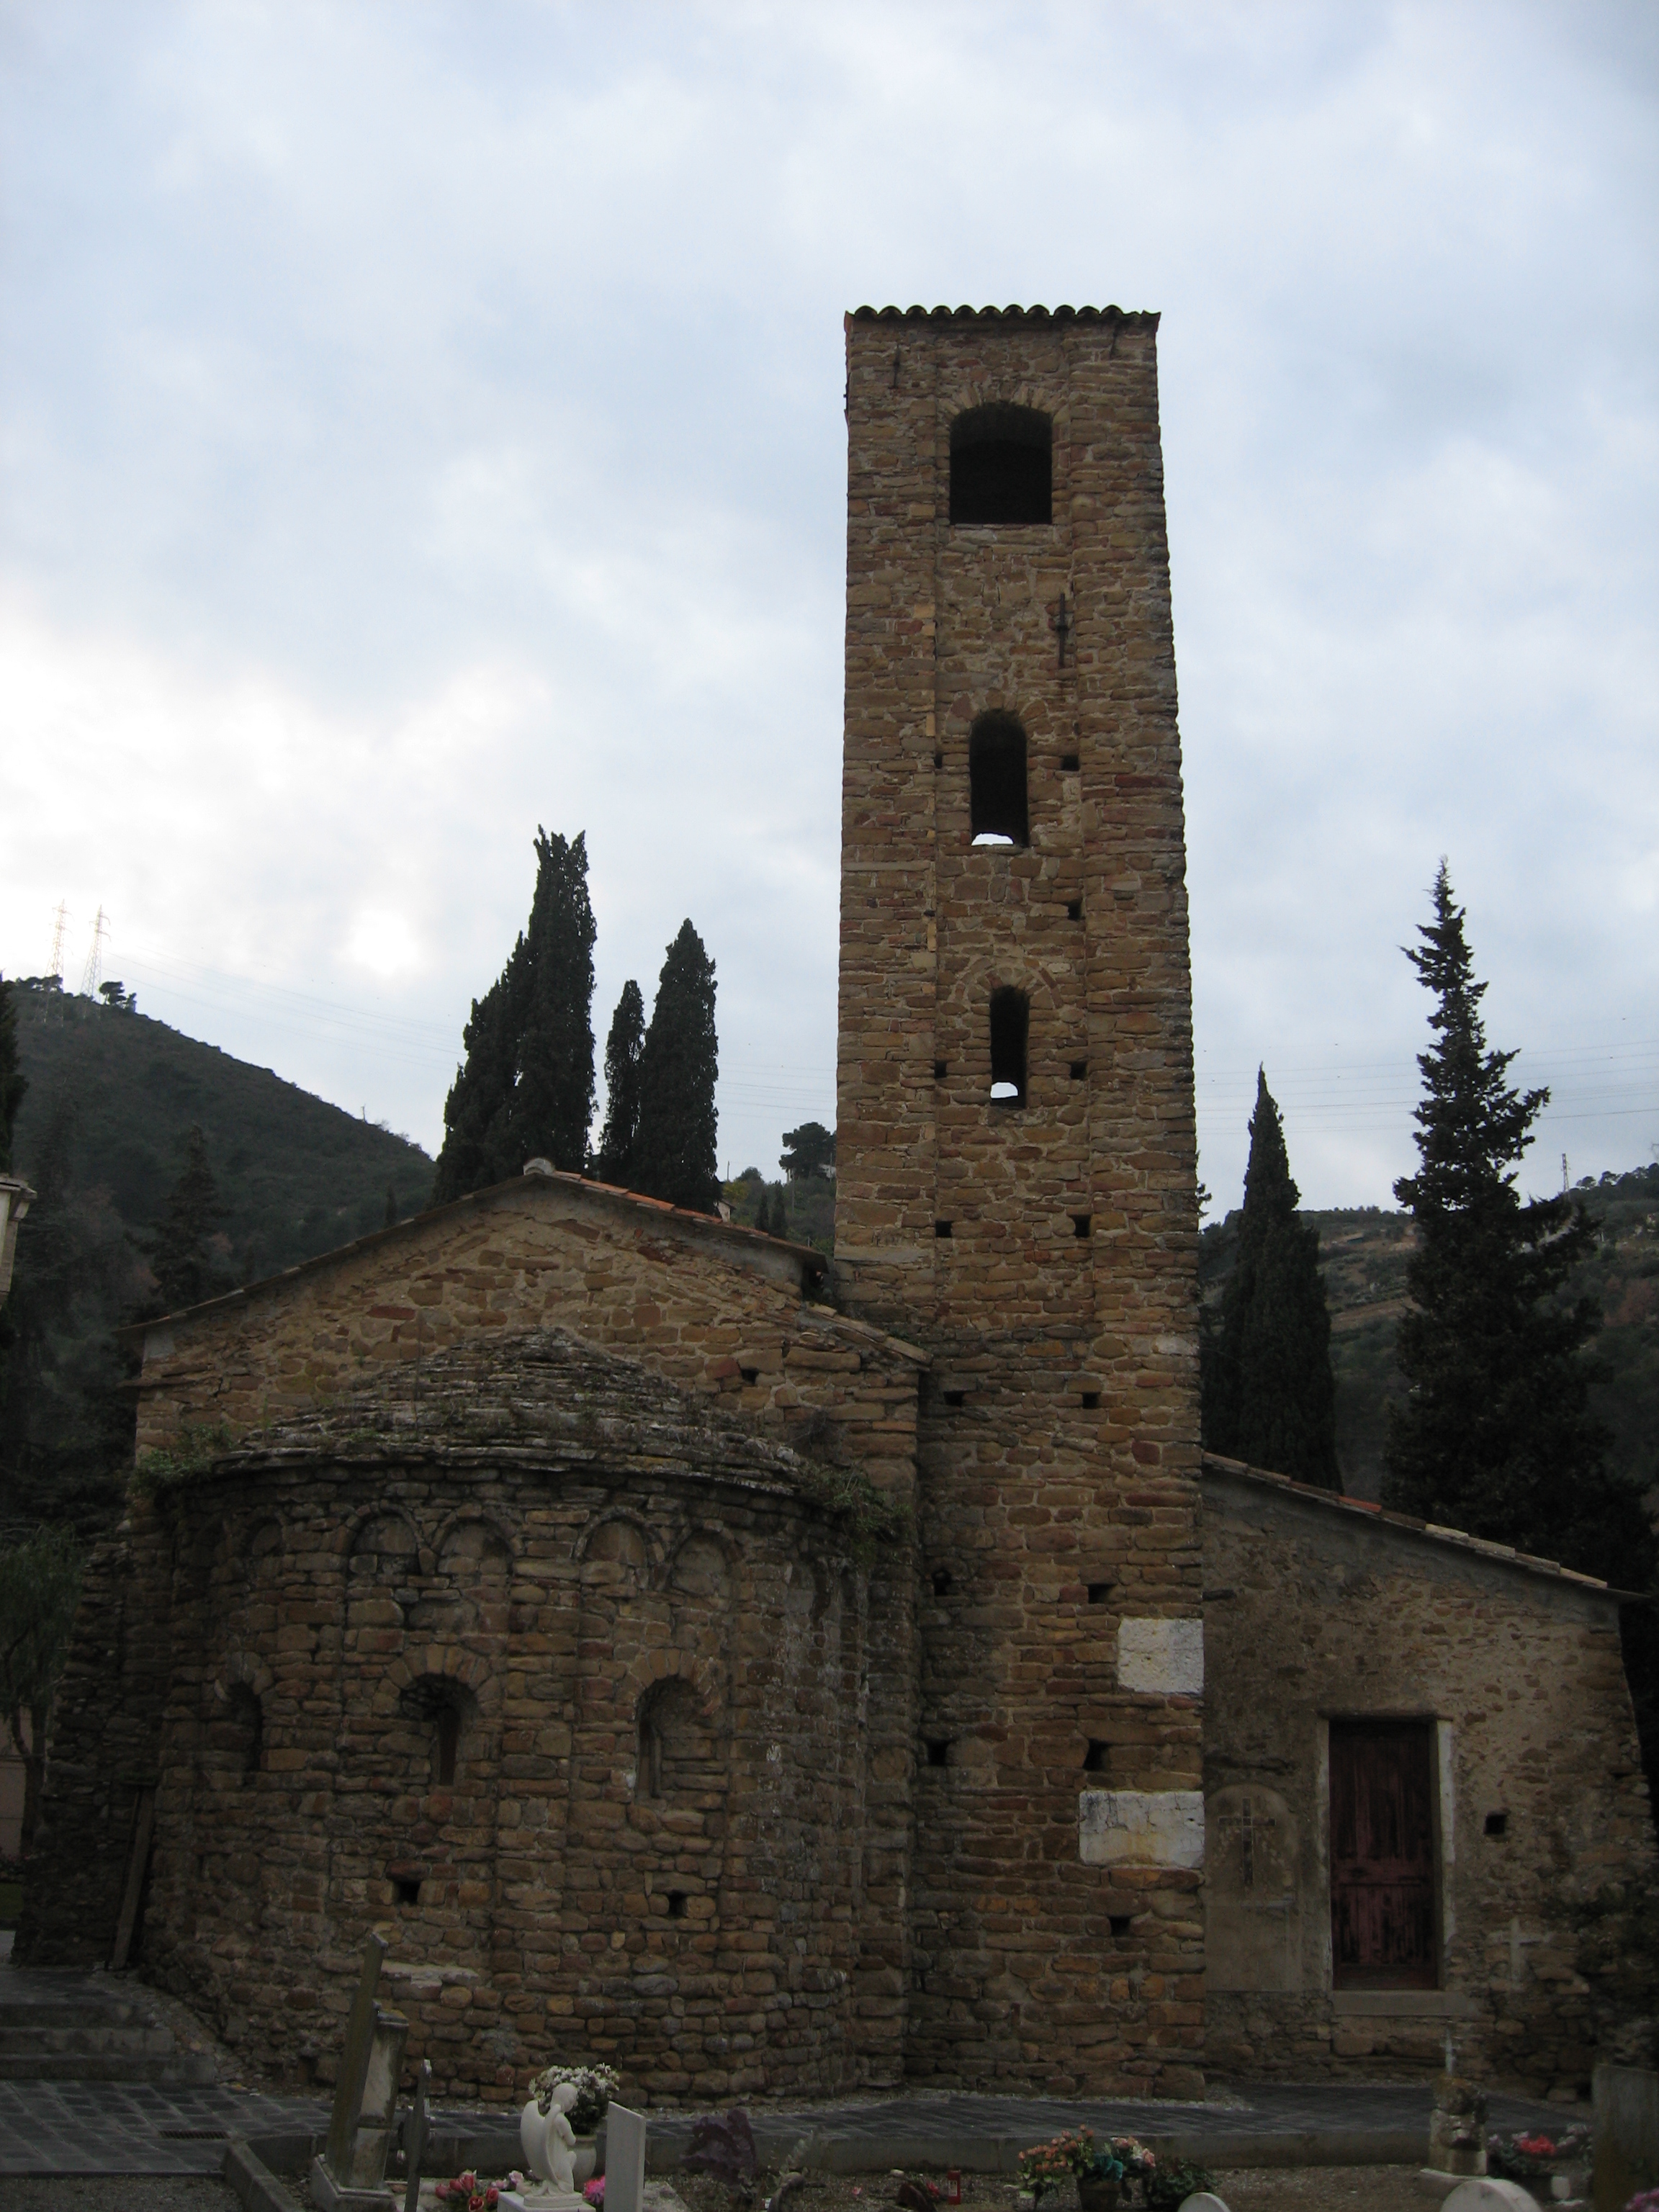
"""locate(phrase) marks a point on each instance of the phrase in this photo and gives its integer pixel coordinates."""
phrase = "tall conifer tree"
(13, 1081)
(1496, 1435)
(187, 1270)
(1269, 1396)
(674, 1147)
(525, 1088)
(622, 1049)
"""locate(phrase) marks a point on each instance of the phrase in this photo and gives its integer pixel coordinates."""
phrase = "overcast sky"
(421, 421)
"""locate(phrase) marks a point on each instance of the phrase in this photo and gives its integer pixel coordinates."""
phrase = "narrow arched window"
(1011, 1015)
(244, 1733)
(996, 778)
(1002, 465)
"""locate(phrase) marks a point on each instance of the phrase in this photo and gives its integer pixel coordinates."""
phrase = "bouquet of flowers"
(1120, 2158)
(595, 2086)
(1531, 2157)
(466, 2193)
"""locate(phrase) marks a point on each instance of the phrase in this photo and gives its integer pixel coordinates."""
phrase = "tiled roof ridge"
(1133, 318)
(1337, 1501)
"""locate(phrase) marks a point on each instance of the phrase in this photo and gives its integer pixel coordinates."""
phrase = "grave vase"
(584, 2160)
(1098, 2192)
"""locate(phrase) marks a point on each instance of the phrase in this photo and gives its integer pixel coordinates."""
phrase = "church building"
(777, 1675)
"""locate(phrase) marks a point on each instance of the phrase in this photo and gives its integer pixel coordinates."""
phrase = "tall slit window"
(1002, 465)
(996, 779)
(1009, 1026)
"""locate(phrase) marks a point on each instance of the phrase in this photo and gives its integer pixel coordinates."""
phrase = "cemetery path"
(136, 2128)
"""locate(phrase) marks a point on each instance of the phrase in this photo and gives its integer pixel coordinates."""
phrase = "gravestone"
(1457, 2126)
(349, 2174)
(624, 2159)
(1626, 2134)
(1481, 2193)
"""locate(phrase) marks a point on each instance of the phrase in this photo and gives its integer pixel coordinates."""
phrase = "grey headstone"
(354, 2063)
(1626, 2133)
(1480, 2193)
(624, 2159)
(1205, 2201)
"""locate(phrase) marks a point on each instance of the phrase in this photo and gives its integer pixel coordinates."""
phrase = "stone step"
(178, 2069)
(101, 2038)
(27, 2019)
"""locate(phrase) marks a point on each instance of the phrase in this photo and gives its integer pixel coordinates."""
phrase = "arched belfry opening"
(1010, 1022)
(998, 812)
(1002, 465)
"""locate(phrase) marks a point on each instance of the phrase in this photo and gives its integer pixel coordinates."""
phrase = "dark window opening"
(446, 1743)
(245, 1732)
(998, 813)
(1090, 1399)
(1070, 764)
(1002, 465)
(939, 1071)
(939, 1751)
(678, 1757)
(1081, 1223)
(1080, 1070)
(405, 1889)
(1498, 1824)
(1075, 910)
(749, 1374)
(943, 1584)
(1010, 1025)
(677, 1904)
(1099, 1592)
(443, 1711)
(1097, 1758)
(1118, 1922)
(941, 1229)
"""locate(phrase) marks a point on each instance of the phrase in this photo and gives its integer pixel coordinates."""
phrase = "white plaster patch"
(1162, 1656)
(1141, 1827)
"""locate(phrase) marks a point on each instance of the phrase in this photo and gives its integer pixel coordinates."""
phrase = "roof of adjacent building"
(1136, 318)
(1366, 1511)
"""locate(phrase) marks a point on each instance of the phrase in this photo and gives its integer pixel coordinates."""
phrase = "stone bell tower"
(1017, 1171)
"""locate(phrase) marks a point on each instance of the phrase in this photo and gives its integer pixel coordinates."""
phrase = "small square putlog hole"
(944, 1582)
(942, 1229)
(939, 1071)
(677, 1905)
(1079, 1069)
(1097, 1758)
(939, 1751)
(1099, 1592)
(1498, 1824)
(1090, 1400)
(1081, 1223)
(406, 1889)
(1075, 910)
(1070, 764)
(1120, 1923)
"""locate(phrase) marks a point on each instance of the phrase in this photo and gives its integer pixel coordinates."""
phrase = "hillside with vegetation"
(104, 1134)
(1363, 1252)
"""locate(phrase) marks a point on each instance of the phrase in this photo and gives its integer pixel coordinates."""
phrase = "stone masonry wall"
(1045, 1255)
(681, 1707)
(1320, 1609)
(720, 1311)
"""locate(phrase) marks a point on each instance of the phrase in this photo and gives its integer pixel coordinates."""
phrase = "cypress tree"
(1496, 1435)
(1268, 1393)
(525, 1088)
(622, 1086)
(674, 1144)
(186, 1268)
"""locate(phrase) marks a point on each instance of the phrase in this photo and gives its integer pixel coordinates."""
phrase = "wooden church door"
(1383, 1917)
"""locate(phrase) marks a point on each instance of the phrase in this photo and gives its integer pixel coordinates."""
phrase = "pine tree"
(1268, 1393)
(525, 1088)
(1496, 1435)
(622, 1049)
(674, 1145)
(186, 1268)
